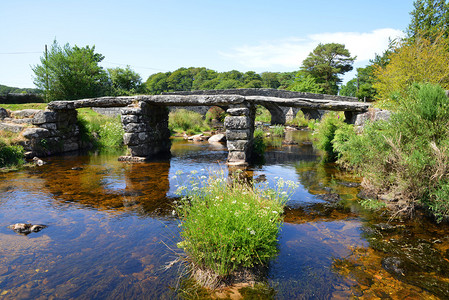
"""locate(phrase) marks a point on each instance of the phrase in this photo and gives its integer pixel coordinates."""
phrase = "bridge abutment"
(239, 126)
(146, 130)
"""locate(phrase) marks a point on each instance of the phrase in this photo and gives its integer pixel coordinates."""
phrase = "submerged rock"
(26, 228)
(38, 161)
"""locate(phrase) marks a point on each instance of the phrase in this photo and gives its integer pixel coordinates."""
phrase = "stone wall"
(146, 130)
(54, 132)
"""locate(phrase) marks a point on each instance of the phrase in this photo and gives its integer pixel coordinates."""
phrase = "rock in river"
(26, 228)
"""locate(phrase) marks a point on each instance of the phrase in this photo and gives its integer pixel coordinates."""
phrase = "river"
(111, 231)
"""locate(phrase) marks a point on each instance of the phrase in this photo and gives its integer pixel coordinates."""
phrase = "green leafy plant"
(229, 226)
(11, 155)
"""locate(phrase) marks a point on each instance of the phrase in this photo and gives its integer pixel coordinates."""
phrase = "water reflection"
(110, 230)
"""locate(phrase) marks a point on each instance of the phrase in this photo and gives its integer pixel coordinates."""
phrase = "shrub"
(326, 133)
(183, 120)
(229, 226)
(11, 155)
(407, 157)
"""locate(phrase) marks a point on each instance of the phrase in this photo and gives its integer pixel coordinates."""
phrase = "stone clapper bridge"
(145, 117)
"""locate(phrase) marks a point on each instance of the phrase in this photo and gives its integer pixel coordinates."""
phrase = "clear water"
(111, 231)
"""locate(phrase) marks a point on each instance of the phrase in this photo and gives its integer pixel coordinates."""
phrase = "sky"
(164, 35)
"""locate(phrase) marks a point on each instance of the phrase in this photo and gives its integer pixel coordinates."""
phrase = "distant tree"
(349, 89)
(157, 83)
(180, 80)
(326, 62)
(125, 81)
(227, 84)
(270, 80)
(305, 83)
(202, 77)
(68, 73)
(429, 19)
(286, 79)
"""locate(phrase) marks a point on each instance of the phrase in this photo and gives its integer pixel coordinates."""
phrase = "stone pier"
(146, 131)
(239, 126)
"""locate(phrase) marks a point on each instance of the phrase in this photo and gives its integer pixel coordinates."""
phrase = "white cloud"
(290, 52)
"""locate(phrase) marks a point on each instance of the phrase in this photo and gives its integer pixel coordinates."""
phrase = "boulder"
(25, 228)
(3, 113)
(217, 138)
(25, 113)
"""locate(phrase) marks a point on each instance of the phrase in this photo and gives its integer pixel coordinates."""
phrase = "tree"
(326, 62)
(422, 61)
(157, 83)
(125, 81)
(305, 83)
(429, 18)
(270, 80)
(68, 73)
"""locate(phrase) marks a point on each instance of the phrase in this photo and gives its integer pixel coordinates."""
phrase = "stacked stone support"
(146, 130)
(239, 126)
(56, 131)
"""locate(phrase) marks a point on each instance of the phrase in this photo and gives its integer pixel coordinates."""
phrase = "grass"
(277, 130)
(11, 156)
(24, 106)
(299, 120)
(103, 132)
(186, 121)
(228, 227)
(263, 115)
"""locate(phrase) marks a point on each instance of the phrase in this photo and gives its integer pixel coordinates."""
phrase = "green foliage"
(372, 204)
(305, 83)
(229, 226)
(71, 73)
(429, 17)
(326, 134)
(11, 155)
(182, 120)
(325, 63)
(277, 130)
(125, 81)
(407, 156)
(361, 86)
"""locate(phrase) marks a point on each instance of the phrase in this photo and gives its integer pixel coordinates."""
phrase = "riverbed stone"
(217, 138)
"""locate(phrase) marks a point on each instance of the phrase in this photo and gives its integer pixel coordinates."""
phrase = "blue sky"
(159, 36)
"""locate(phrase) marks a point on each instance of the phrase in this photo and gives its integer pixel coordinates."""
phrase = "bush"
(182, 120)
(228, 227)
(11, 155)
(326, 133)
(407, 157)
